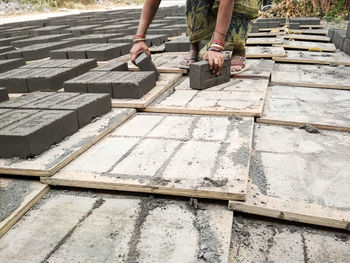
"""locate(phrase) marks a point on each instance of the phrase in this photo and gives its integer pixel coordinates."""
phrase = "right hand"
(138, 48)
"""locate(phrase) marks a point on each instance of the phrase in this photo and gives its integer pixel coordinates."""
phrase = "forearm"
(223, 19)
(148, 12)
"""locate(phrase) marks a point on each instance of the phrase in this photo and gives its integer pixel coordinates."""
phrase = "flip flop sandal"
(240, 62)
(186, 61)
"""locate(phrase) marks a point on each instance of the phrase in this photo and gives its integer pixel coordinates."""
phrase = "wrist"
(217, 46)
(139, 38)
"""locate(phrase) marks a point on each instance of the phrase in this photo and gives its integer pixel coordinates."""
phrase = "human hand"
(137, 49)
(216, 61)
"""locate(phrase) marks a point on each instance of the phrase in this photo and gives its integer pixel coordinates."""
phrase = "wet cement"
(241, 156)
(257, 173)
(12, 196)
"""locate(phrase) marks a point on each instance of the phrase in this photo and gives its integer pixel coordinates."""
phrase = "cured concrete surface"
(114, 228)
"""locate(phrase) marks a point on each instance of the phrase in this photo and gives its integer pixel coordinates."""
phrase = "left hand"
(216, 61)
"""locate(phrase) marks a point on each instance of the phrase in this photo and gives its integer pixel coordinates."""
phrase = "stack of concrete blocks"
(295, 23)
(4, 95)
(341, 38)
(261, 23)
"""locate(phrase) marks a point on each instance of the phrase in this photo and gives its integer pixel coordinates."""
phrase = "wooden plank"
(183, 155)
(17, 197)
(264, 52)
(306, 37)
(266, 240)
(258, 68)
(157, 49)
(295, 106)
(165, 81)
(264, 41)
(266, 34)
(130, 229)
(305, 45)
(311, 26)
(312, 80)
(241, 97)
(338, 58)
(303, 189)
(166, 62)
(64, 152)
(321, 32)
(277, 29)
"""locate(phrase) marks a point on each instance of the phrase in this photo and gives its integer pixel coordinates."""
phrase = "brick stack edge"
(341, 38)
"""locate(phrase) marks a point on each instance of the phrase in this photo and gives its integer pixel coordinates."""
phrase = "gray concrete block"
(14, 80)
(133, 85)
(4, 95)
(201, 77)
(32, 135)
(86, 106)
(348, 31)
(331, 33)
(346, 46)
(80, 83)
(146, 64)
(9, 64)
(45, 103)
(254, 28)
(294, 25)
(25, 99)
(338, 38)
(178, 45)
(113, 66)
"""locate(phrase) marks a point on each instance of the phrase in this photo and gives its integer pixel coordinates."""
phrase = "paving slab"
(141, 229)
(336, 58)
(297, 106)
(168, 154)
(243, 97)
(17, 197)
(304, 189)
(62, 153)
(262, 240)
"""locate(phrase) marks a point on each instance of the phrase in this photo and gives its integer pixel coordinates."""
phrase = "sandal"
(187, 60)
(238, 65)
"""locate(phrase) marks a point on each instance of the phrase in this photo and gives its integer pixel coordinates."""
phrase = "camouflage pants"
(201, 21)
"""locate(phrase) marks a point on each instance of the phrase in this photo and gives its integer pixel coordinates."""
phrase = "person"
(222, 25)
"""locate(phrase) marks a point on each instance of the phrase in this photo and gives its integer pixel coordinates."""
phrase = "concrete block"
(254, 28)
(4, 95)
(104, 52)
(51, 79)
(86, 106)
(338, 38)
(24, 99)
(133, 85)
(146, 64)
(14, 80)
(346, 46)
(348, 31)
(294, 25)
(79, 84)
(30, 136)
(178, 45)
(4, 49)
(331, 33)
(113, 66)
(39, 39)
(53, 99)
(9, 64)
(201, 77)
(101, 84)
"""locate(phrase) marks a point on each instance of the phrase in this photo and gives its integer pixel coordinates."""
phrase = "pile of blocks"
(341, 38)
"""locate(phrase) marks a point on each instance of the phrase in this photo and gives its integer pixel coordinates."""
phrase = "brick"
(331, 33)
(79, 84)
(7, 40)
(101, 84)
(254, 28)
(4, 49)
(86, 106)
(39, 39)
(41, 50)
(346, 46)
(133, 85)
(348, 31)
(48, 30)
(107, 51)
(201, 77)
(95, 38)
(294, 25)
(9, 64)
(113, 66)
(45, 103)
(24, 99)
(178, 45)
(338, 38)
(32, 135)
(14, 80)
(146, 64)
(4, 96)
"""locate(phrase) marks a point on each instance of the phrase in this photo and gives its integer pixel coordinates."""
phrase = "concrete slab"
(243, 97)
(262, 240)
(168, 154)
(264, 52)
(17, 197)
(305, 189)
(57, 157)
(264, 41)
(297, 106)
(131, 229)
(306, 45)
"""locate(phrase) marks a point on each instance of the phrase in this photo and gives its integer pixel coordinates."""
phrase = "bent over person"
(223, 25)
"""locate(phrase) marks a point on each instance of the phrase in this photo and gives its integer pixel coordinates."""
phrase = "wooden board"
(264, 52)
(183, 155)
(264, 41)
(266, 240)
(311, 26)
(338, 58)
(299, 176)
(277, 29)
(17, 197)
(165, 81)
(313, 80)
(306, 37)
(82, 227)
(157, 49)
(241, 97)
(61, 154)
(258, 68)
(321, 32)
(166, 62)
(295, 106)
(307, 45)
(266, 34)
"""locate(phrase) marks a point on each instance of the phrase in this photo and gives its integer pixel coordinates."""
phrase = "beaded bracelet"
(215, 50)
(139, 38)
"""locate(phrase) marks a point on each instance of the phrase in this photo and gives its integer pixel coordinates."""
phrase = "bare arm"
(149, 10)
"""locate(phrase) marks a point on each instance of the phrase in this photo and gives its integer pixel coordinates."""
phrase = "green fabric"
(201, 21)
